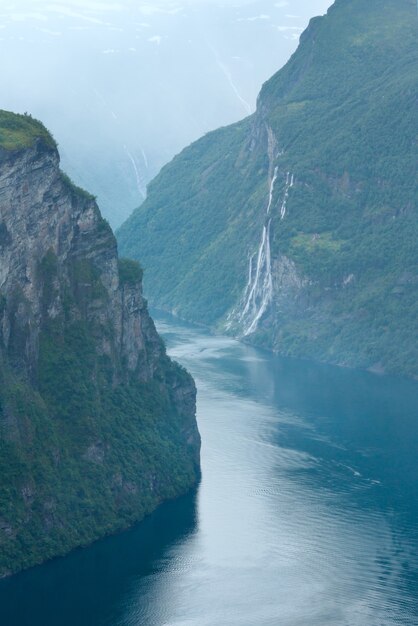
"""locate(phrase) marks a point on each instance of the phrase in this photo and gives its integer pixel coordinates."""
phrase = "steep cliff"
(97, 424)
(296, 229)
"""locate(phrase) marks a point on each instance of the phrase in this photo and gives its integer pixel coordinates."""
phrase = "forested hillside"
(297, 228)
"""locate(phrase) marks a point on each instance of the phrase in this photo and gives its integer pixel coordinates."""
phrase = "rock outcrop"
(97, 424)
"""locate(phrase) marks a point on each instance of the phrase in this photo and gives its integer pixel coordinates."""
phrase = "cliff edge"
(97, 424)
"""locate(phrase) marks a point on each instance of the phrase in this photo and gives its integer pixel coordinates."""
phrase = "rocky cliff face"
(97, 425)
(56, 246)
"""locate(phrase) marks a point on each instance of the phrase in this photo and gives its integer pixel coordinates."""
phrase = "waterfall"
(289, 184)
(137, 174)
(250, 275)
(253, 288)
(262, 291)
(259, 290)
(273, 182)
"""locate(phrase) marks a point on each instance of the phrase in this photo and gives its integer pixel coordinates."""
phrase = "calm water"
(307, 513)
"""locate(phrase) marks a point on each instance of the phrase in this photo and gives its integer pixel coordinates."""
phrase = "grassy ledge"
(18, 132)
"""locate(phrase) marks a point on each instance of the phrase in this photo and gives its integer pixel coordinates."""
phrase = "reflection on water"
(306, 513)
(93, 586)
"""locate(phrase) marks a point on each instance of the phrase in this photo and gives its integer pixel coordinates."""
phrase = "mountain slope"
(297, 228)
(97, 425)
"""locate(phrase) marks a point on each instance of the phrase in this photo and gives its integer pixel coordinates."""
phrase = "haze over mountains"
(294, 229)
(124, 86)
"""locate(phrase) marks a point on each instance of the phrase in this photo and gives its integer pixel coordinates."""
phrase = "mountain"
(155, 76)
(297, 228)
(97, 424)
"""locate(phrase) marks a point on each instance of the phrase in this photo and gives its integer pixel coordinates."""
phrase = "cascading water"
(138, 177)
(250, 276)
(289, 184)
(273, 182)
(259, 290)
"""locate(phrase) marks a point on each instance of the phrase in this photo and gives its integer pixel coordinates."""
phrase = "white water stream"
(259, 290)
(138, 177)
(289, 184)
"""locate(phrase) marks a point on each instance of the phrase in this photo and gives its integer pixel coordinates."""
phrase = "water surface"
(306, 513)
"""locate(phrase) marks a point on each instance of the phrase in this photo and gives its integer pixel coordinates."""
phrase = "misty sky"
(124, 85)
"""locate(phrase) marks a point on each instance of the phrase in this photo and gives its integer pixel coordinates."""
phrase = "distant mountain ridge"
(156, 76)
(297, 228)
(97, 424)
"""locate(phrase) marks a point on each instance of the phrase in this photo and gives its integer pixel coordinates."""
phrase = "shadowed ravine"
(306, 513)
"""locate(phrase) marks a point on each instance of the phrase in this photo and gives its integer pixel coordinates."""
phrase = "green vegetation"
(57, 491)
(88, 449)
(97, 424)
(18, 132)
(75, 190)
(130, 272)
(344, 113)
(197, 227)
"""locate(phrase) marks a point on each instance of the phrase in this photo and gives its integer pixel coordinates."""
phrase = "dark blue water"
(307, 513)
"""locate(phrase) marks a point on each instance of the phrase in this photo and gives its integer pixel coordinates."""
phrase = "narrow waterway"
(307, 513)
